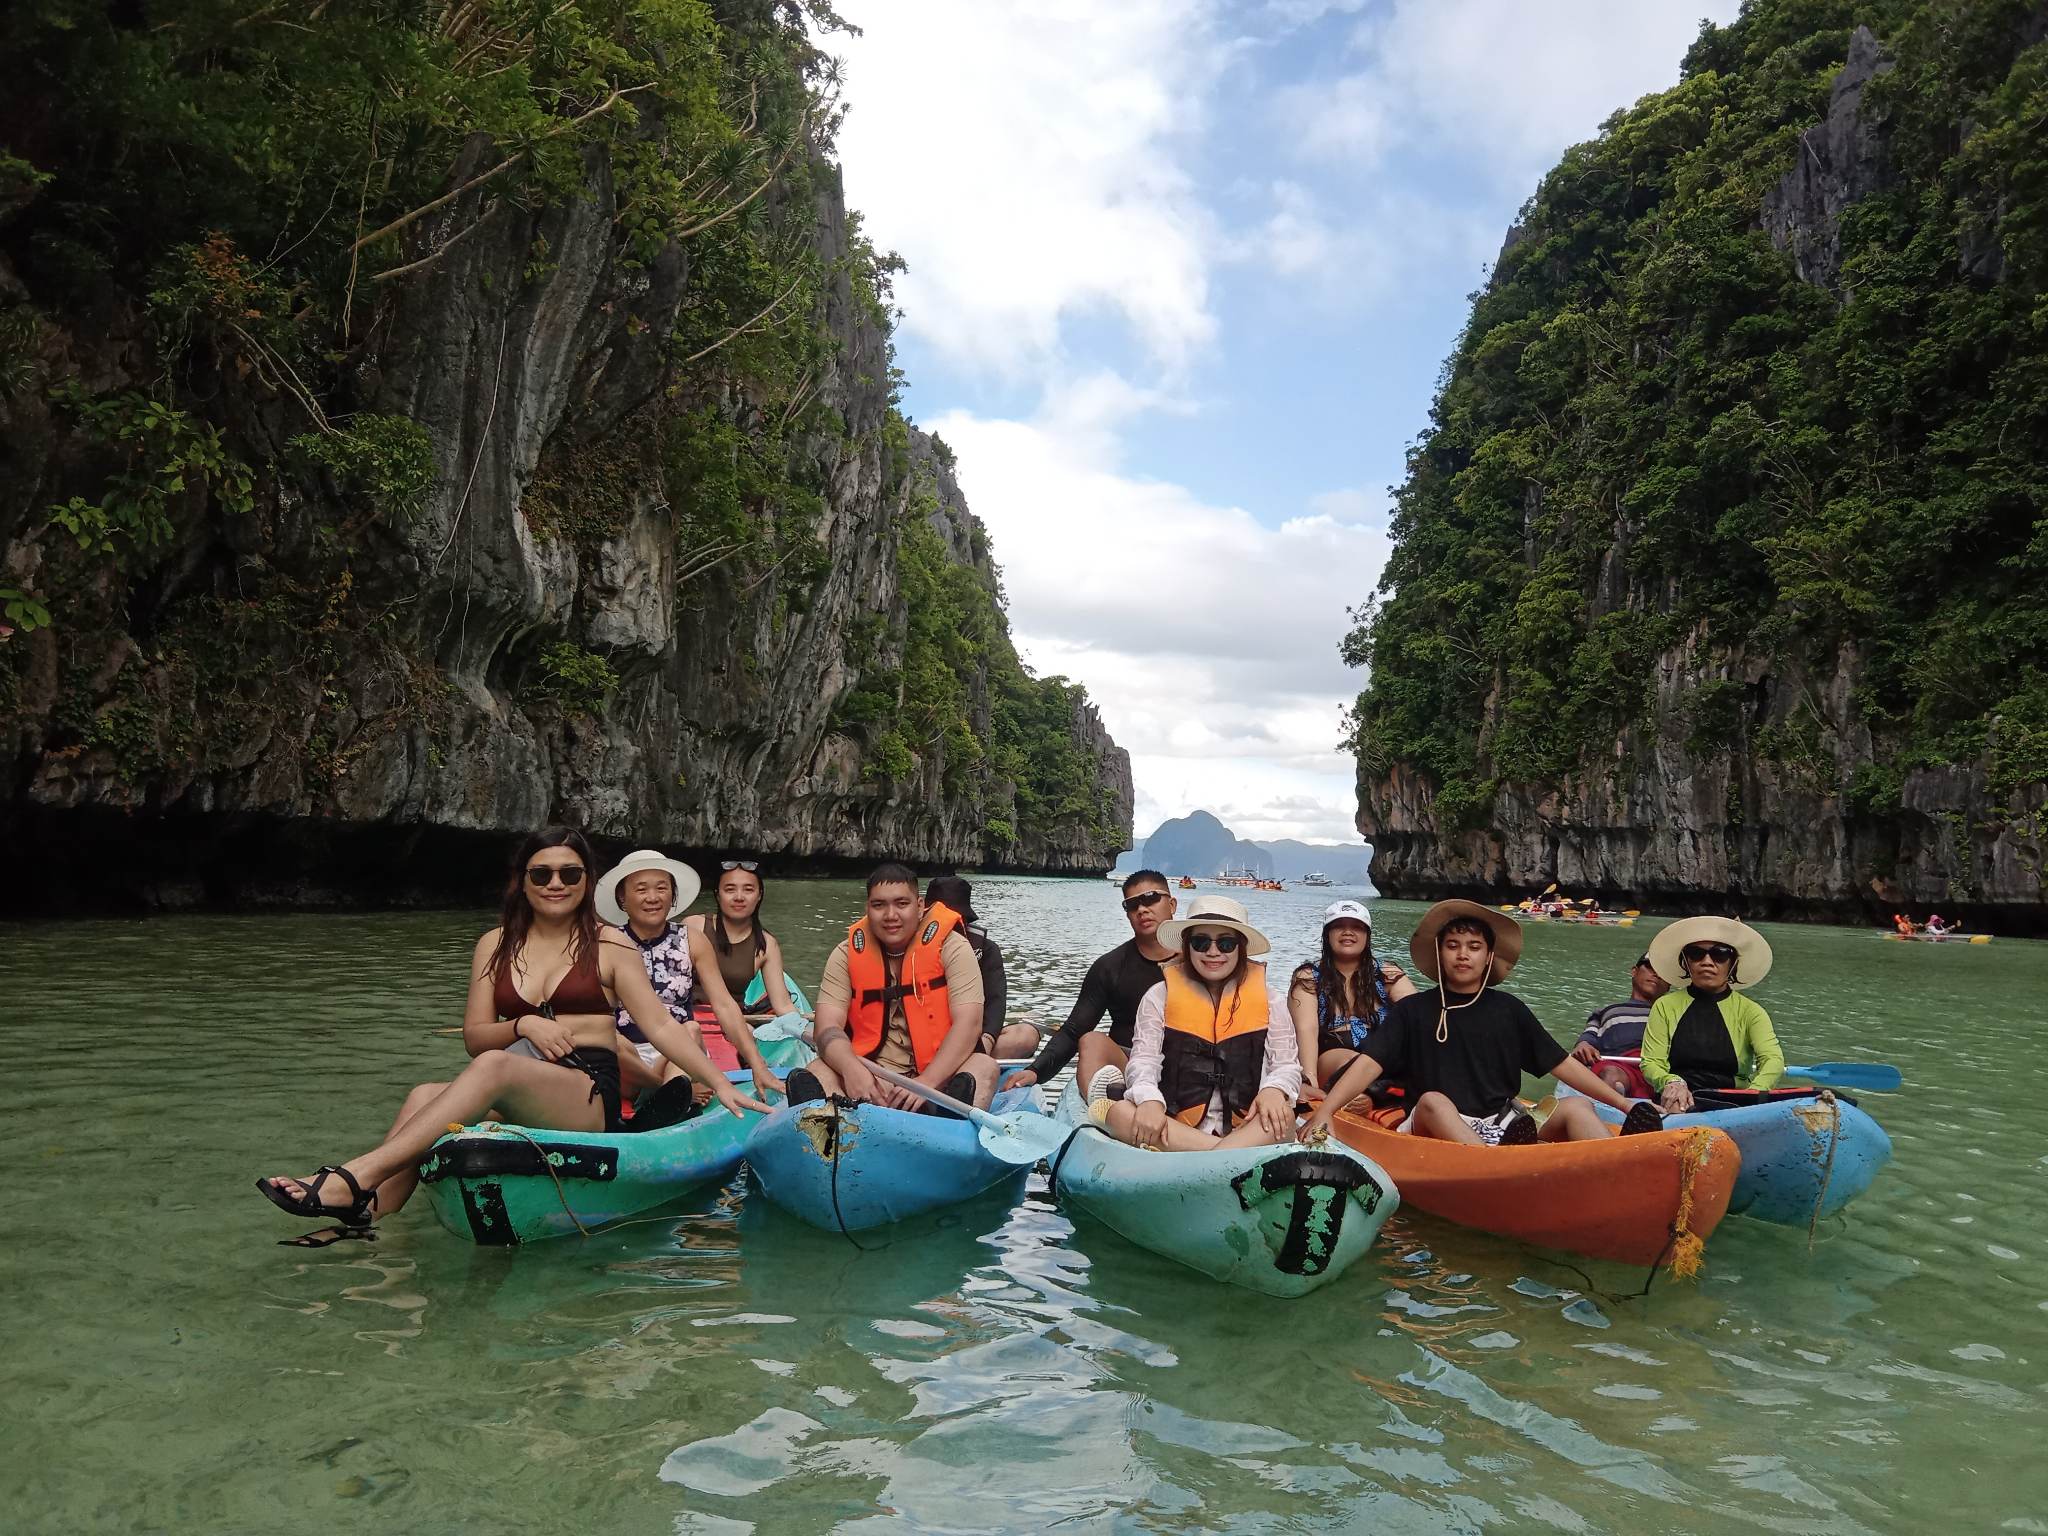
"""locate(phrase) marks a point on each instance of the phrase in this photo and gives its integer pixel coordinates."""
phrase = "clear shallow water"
(723, 1368)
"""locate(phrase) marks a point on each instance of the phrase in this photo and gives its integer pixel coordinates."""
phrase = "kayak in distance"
(503, 1185)
(1283, 1219)
(847, 1167)
(1806, 1153)
(1650, 1200)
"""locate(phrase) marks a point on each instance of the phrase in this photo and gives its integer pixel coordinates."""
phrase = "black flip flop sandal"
(307, 1203)
(327, 1237)
(1643, 1118)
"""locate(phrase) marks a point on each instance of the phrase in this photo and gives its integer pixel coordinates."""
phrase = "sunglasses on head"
(1222, 943)
(1717, 952)
(570, 875)
(726, 866)
(1144, 899)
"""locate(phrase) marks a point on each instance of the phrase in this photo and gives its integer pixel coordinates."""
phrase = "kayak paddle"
(1870, 1076)
(1017, 1137)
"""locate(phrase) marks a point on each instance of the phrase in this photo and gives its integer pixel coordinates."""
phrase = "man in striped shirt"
(1617, 1029)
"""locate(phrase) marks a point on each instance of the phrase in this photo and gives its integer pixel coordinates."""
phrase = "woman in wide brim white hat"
(1703, 1034)
(683, 884)
(1210, 1065)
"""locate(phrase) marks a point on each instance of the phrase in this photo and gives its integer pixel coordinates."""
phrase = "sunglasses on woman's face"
(729, 865)
(1719, 953)
(545, 875)
(1143, 900)
(1223, 943)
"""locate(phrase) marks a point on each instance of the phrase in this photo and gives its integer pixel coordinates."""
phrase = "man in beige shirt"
(902, 991)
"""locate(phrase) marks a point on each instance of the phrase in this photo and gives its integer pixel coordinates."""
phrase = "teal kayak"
(1281, 1219)
(501, 1185)
(847, 1167)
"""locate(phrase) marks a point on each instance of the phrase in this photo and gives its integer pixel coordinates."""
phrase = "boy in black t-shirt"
(1462, 1048)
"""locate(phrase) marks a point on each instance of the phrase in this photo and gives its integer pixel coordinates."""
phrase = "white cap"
(1337, 911)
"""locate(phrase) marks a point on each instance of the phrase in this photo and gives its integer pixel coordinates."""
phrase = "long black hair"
(1337, 998)
(515, 915)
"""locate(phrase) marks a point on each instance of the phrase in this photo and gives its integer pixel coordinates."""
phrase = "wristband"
(515, 1030)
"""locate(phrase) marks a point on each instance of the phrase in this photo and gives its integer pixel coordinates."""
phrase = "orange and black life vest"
(920, 986)
(1213, 1045)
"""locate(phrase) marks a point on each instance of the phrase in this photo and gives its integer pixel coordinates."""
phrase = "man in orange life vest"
(903, 991)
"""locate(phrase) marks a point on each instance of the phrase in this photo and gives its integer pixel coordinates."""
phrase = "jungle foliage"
(1654, 434)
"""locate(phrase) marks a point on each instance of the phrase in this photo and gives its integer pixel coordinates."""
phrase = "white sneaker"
(1100, 1086)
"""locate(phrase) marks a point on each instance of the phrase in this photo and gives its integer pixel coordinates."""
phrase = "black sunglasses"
(1134, 903)
(749, 865)
(1224, 943)
(1692, 952)
(545, 874)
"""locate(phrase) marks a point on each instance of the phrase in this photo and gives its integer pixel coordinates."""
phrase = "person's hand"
(861, 1085)
(766, 1082)
(1149, 1126)
(1676, 1098)
(1022, 1079)
(551, 1037)
(1587, 1052)
(1311, 1090)
(1315, 1125)
(729, 1095)
(1274, 1112)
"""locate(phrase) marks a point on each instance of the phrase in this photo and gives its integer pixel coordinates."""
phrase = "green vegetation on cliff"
(1655, 434)
(213, 216)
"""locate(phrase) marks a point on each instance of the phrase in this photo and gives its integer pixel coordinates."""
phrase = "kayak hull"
(1283, 1220)
(503, 1185)
(855, 1166)
(1801, 1158)
(1619, 1199)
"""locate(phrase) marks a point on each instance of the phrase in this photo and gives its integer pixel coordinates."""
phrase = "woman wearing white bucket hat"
(1708, 1036)
(1209, 1067)
(644, 893)
(1338, 998)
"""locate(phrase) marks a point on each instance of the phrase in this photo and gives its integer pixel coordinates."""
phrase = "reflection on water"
(721, 1367)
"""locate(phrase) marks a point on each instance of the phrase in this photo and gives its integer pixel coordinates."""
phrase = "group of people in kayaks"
(584, 999)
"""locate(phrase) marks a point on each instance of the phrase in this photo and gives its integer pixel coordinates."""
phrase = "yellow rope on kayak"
(1687, 1249)
(1827, 1169)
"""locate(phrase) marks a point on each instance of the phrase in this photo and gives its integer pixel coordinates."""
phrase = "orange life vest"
(1212, 1044)
(920, 986)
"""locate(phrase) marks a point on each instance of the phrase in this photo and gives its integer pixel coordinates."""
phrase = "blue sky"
(1182, 276)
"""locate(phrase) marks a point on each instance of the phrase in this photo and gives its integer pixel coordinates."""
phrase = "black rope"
(844, 1230)
(1052, 1178)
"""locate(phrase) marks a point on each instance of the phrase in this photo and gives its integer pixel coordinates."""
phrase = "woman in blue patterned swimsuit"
(1337, 999)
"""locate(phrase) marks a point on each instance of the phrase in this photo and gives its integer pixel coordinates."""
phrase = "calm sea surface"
(722, 1368)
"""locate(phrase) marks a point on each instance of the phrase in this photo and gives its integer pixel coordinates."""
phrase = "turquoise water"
(723, 1368)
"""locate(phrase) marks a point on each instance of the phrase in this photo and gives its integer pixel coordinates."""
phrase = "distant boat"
(1314, 877)
(1186, 884)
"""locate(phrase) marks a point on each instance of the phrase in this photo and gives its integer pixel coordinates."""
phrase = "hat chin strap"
(1444, 1010)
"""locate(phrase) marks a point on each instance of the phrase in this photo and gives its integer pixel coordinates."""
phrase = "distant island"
(1199, 844)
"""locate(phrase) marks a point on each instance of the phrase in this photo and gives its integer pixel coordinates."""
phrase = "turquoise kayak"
(1802, 1158)
(501, 1185)
(848, 1167)
(1279, 1219)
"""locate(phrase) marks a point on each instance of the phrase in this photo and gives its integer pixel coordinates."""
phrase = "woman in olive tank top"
(739, 943)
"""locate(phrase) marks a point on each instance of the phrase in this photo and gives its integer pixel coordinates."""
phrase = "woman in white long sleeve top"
(1213, 1062)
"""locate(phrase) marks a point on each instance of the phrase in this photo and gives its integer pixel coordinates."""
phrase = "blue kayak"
(1799, 1154)
(1280, 1219)
(850, 1167)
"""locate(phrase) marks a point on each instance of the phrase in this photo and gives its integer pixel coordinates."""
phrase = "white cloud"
(1026, 159)
(1505, 83)
(1208, 637)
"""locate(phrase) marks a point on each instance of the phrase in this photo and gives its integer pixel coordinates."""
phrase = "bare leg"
(525, 1091)
(1330, 1064)
(1437, 1116)
(1017, 1042)
(1097, 1051)
(1574, 1120)
(984, 1071)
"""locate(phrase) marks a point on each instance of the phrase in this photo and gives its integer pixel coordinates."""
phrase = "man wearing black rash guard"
(1116, 983)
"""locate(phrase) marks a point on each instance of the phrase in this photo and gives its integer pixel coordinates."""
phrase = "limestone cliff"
(581, 610)
(1718, 575)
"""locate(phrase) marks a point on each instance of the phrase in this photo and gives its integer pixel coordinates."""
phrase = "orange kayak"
(1646, 1200)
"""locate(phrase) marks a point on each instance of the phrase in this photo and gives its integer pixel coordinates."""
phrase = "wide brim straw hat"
(1752, 949)
(686, 882)
(1507, 937)
(1215, 912)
